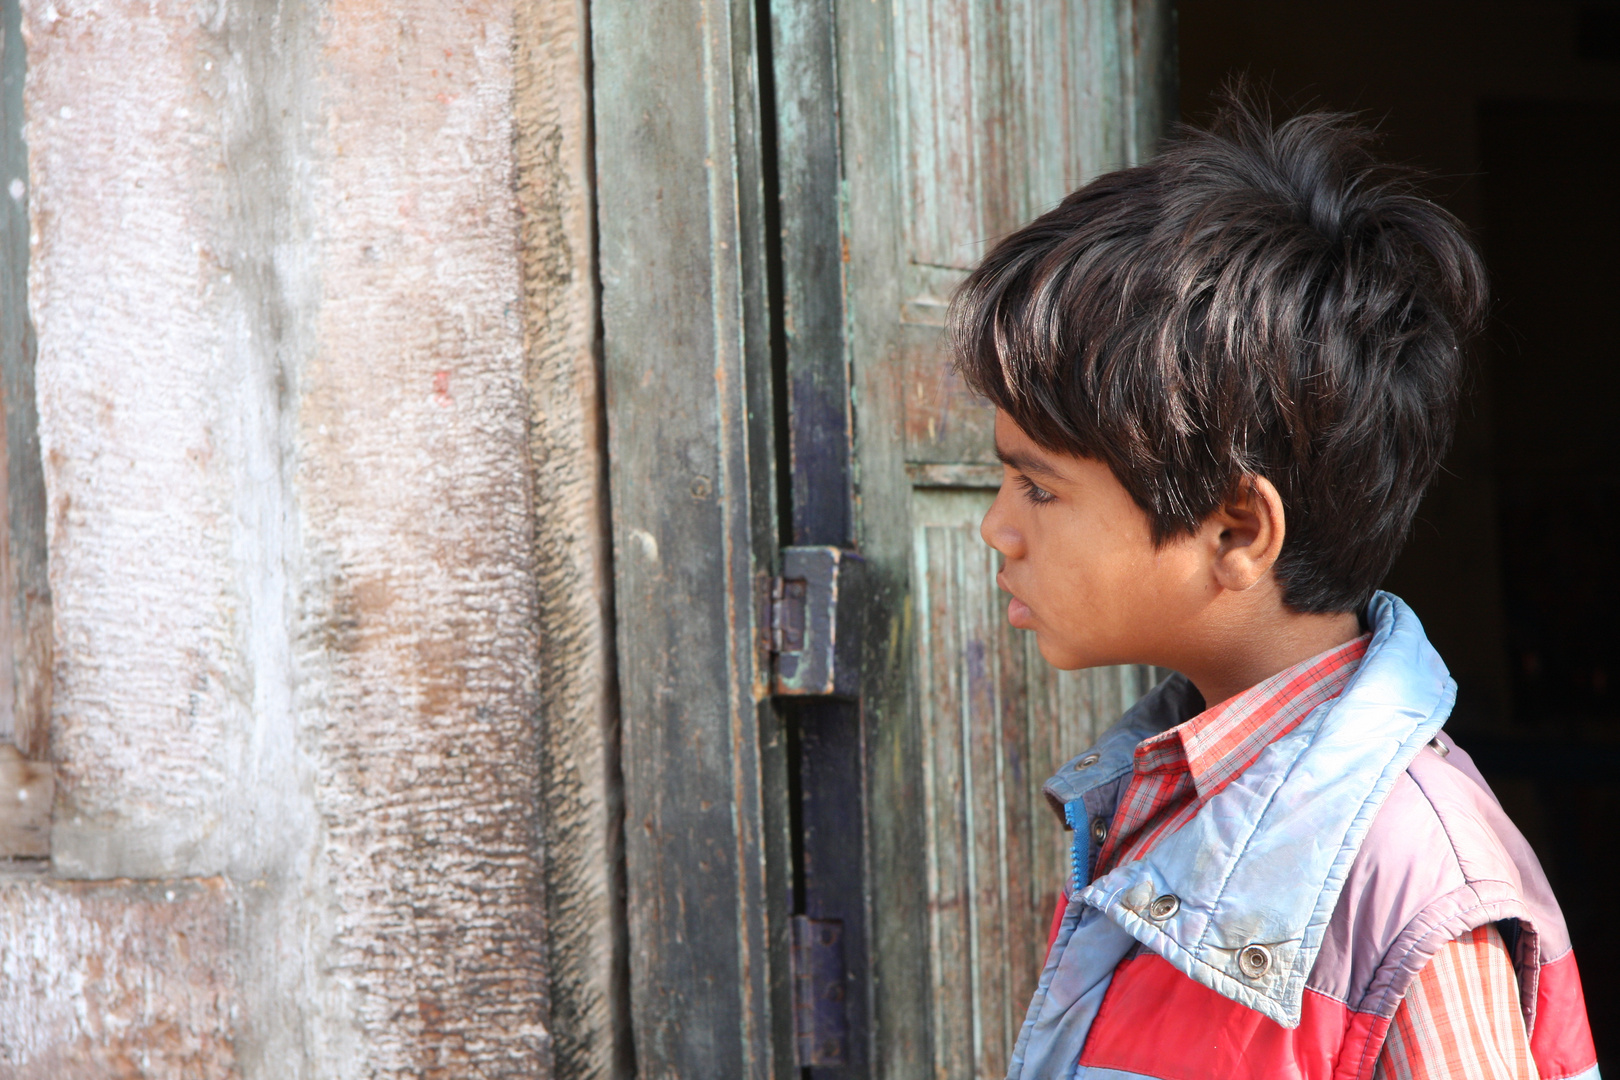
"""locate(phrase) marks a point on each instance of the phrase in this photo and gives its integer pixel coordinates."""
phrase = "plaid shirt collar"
(1215, 746)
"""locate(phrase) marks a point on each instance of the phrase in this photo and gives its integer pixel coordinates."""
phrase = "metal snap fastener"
(1163, 907)
(1088, 761)
(1439, 747)
(1254, 960)
(1099, 831)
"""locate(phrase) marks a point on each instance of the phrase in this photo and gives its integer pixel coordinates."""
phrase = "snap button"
(1163, 907)
(1254, 960)
(1439, 747)
(1088, 761)
(1099, 831)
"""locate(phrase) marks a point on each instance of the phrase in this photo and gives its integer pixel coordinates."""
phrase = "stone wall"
(318, 409)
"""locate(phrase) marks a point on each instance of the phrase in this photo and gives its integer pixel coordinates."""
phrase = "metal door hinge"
(820, 1024)
(810, 623)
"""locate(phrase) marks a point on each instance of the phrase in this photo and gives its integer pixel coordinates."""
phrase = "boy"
(1223, 381)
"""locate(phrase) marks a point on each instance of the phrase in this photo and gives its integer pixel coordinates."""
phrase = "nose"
(999, 530)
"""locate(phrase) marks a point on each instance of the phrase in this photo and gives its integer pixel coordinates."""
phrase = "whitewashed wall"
(318, 410)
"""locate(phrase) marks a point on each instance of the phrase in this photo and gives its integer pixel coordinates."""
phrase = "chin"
(1064, 659)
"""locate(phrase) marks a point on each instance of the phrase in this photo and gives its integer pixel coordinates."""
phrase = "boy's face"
(1080, 563)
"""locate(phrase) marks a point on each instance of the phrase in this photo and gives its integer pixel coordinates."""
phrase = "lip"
(1018, 612)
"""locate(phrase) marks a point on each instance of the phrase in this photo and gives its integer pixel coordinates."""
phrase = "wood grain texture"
(583, 802)
(686, 360)
(296, 367)
(1005, 109)
(116, 981)
(125, 141)
(960, 121)
(815, 360)
(25, 612)
(417, 646)
(26, 791)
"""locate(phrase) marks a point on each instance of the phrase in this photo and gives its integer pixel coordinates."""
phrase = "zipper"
(1080, 849)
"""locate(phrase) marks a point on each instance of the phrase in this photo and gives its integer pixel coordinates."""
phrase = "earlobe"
(1251, 527)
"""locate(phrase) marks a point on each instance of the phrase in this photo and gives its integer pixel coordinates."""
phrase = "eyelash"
(1034, 492)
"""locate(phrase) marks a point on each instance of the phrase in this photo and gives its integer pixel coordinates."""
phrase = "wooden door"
(688, 387)
(956, 121)
(787, 193)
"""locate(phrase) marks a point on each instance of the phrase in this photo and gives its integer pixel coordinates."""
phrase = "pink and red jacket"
(1275, 934)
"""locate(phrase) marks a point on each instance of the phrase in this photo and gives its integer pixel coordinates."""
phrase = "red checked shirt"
(1461, 1017)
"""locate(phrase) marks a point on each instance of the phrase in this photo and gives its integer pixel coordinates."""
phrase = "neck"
(1236, 654)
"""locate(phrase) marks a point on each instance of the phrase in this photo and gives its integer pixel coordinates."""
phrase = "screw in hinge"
(787, 614)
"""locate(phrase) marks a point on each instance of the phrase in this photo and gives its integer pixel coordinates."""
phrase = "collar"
(1215, 746)
(1263, 861)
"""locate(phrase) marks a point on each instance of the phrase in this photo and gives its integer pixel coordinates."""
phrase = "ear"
(1248, 534)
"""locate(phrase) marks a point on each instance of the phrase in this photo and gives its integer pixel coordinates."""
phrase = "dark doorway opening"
(1513, 106)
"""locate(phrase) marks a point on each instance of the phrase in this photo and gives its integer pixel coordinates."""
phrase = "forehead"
(1015, 448)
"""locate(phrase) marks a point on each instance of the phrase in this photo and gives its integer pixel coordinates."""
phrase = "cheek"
(1114, 578)
(1100, 558)
(1082, 572)
(1167, 577)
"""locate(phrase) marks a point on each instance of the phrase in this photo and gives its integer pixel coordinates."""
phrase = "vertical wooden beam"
(1156, 71)
(832, 882)
(584, 823)
(808, 167)
(25, 612)
(686, 361)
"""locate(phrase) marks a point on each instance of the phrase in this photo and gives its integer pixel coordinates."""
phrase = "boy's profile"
(1223, 382)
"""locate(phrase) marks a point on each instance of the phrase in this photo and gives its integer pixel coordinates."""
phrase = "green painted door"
(956, 121)
(787, 193)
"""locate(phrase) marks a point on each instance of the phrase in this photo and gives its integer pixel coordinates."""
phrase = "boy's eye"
(1033, 491)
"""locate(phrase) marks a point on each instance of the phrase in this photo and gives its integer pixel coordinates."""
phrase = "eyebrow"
(1026, 464)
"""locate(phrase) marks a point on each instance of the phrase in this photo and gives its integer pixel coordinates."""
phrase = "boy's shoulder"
(1440, 858)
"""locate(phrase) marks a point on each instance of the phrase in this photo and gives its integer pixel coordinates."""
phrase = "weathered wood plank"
(26, 790)
(25, 592)
(979, 614)
(567, 445)
(686, 360)
(901, 834)
(146, 403)
(958, 122)
(946, 783)
(831, 737)
(1022, 919)
(417, 655)
(284, 403)
(1005, 109)
(809, 173)
(15, 340)
(117, 980)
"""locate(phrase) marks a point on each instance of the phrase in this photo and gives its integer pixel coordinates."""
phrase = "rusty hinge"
(820, 1024)
(810, 623)
(786, 624)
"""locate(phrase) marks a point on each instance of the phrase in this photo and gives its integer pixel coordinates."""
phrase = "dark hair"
(1257, 300)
